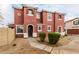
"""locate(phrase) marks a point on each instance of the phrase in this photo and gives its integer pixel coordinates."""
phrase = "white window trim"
(50, 16)
(59, 19)
(16, 29)
(30, 14)
(38, 28)
(74, 24)
(19, 14)
(27, 27)
(58, 28)
(48, 27)
(38, 15)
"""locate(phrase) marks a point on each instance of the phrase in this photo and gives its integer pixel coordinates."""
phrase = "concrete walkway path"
(36, 44)
(71, 48)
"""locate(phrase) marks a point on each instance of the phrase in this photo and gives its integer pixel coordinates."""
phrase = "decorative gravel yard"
(62, 41)
(21, 46)
(34, 46)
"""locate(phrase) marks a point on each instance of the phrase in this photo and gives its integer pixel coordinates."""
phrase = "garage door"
(73, 31)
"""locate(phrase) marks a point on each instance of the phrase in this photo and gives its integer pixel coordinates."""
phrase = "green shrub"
(53, 37)
(42, 36)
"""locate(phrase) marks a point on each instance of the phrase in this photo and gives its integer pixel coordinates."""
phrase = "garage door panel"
(73, 31)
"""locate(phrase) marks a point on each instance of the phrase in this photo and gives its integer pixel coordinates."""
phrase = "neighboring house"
(72, 26)
(29, 21)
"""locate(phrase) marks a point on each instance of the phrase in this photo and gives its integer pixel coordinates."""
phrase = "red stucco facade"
(21, 17)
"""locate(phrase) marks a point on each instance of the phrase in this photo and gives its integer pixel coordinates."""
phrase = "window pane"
(76, 22)
(30, 12)
(39, 28)
(49, 28)
(38, 15)
(19, 29)
(49, 16)
(59, 30)
(59, 17)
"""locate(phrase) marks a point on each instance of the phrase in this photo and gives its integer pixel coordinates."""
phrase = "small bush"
(53, 37)
(42, 36)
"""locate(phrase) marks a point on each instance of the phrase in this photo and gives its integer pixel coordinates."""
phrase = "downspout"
(54, 22)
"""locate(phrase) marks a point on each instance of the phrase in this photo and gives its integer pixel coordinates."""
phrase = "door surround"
(27, 29)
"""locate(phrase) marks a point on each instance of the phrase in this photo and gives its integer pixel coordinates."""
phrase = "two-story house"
(72, 26)
(29, 21)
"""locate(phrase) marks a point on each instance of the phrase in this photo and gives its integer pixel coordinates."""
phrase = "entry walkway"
(36, 44)
(72, 47)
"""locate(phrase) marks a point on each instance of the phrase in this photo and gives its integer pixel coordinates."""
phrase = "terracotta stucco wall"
(18, 19)
(59, 22)
(30, 19)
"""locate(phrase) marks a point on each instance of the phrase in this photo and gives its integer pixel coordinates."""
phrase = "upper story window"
(76, 22)
(18, 14)
(48, 28)
(30, 12)
(38, 15)
(49, 16)
(59, 17)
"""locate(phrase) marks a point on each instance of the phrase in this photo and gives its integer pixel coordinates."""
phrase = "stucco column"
(25, 32)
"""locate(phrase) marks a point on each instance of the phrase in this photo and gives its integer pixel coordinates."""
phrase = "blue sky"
(71, 10)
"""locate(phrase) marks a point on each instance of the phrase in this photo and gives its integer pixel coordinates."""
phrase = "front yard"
(22, 47)
(68, 44)
(62, 41)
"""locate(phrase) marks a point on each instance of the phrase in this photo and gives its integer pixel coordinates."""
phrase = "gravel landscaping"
(66, 45)
(21, 46)
(62, 41)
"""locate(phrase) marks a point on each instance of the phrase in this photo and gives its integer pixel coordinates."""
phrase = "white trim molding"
(49, 26)
(27, 27)
(58, 28)
(25, 35)
(39, 26)
(30, 13)
(49, 15)
(59, 19)
(34, 34)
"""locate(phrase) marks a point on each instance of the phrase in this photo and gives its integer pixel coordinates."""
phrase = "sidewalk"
(36, 44)
(71, 48)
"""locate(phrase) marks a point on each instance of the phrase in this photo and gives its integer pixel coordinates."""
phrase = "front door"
(30, 30)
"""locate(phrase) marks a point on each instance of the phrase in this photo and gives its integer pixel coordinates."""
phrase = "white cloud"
(7, 13)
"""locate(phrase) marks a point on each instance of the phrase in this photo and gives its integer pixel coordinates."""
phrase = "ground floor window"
(19, 29)
(39, 28)
(59, 29)
(48, 28)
